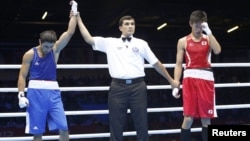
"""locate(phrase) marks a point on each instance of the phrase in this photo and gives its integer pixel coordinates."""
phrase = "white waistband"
(43, 84)
(197, 73)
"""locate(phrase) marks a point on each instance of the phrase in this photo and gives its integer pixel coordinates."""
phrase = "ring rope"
(97, 135)
(150, 110)
(150, 87)
(98, 66)
(90, 66)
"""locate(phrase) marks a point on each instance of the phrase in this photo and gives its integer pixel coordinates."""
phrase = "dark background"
(21, 24)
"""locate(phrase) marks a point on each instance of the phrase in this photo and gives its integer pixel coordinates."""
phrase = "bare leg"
(205, 122)
(187, 122)
(37, 137)
(185, 128)
(64, 135)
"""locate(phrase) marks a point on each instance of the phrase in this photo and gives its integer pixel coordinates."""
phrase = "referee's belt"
(128, 81)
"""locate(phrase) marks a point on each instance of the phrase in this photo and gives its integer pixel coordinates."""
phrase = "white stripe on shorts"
(43, 84)
(199, 73)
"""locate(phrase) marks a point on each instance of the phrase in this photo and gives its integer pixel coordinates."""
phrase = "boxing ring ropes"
(105, 88)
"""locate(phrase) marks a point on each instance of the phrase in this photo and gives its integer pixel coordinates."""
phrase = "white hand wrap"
(23, 101)
(175, 93)
(205, 28)
(74, 7)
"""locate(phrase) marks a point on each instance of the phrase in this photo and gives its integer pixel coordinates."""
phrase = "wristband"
(21, 94)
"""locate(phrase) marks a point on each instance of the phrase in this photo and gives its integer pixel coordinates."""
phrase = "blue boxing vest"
(43, 68)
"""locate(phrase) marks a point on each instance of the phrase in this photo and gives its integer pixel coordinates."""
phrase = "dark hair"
(198, 16)
(128, 17)
(48, 36)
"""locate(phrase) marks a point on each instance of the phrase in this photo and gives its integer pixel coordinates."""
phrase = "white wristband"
(208, 32)
(175, 91)
(74, 7)
(21, 94)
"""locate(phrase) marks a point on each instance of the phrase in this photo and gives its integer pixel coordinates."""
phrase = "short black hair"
(127, 17)
(198, 16)
(48, 36)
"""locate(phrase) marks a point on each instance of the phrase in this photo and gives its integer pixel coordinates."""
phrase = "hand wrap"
(205, 28)
(23, 101)
(175, 93)
(73, 7)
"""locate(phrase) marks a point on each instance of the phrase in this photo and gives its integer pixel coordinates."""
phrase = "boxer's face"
(196, 28)
(47, 47)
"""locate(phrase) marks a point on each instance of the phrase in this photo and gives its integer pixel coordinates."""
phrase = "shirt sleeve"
(149, 55)
(100, 44)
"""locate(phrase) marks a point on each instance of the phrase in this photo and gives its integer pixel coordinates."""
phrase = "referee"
(126, 57)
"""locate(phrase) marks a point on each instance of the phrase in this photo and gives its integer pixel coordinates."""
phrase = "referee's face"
(127, 28)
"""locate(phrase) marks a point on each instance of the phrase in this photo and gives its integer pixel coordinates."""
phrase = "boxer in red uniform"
(198, 80)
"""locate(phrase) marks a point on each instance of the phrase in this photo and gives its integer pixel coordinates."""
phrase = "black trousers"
(123, 96)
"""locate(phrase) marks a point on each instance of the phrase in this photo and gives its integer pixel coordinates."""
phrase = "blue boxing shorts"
(45, 105)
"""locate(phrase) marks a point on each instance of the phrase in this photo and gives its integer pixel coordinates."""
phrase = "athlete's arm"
(84, 31)
(26, 61)
(179, 58)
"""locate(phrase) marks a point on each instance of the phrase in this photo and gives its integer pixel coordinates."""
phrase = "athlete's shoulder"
(183, 39)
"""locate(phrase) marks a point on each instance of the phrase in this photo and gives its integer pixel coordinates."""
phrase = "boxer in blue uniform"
(43, 102)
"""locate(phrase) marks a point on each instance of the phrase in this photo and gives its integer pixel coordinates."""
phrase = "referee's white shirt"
(125, 59)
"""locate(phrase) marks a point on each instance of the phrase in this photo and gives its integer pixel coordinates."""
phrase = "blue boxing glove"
(23, 101)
